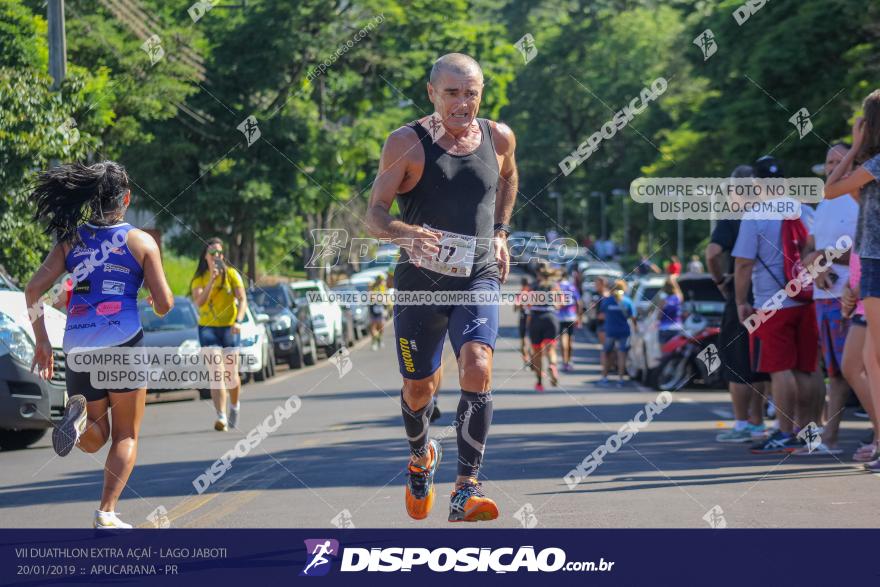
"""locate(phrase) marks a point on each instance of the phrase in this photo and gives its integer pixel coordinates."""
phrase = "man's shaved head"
(457, 64)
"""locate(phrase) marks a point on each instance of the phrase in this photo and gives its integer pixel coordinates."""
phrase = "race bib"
(456, 255)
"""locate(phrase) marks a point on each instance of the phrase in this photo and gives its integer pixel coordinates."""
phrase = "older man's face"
(456, 98)
(833, 158)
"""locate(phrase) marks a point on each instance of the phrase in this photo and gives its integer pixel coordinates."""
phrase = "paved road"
(342, 455)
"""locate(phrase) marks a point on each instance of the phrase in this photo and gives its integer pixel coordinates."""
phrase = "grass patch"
(179, 271)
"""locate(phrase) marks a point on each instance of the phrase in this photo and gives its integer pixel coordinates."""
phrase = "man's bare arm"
(742, 281)
(715, 261)
(393, 168)
(392, 172)
(508, 182)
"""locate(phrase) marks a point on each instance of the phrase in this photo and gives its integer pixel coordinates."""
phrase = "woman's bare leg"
(98, 427)
(127, 411)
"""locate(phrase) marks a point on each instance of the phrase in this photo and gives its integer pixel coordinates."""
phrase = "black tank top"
(456, 193)
(545, 287)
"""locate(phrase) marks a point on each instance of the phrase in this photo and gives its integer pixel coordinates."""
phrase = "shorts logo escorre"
(83, 287)
(406, 355)
(474, 324)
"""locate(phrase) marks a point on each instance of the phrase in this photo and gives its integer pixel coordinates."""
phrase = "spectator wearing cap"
(785, 344)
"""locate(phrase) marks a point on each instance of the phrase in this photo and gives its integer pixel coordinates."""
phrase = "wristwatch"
(505, 228)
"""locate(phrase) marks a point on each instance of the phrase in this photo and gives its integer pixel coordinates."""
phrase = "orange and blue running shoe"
(420, 483)
(469, 504)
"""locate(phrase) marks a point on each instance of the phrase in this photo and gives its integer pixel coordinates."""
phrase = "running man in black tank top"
(454, 177)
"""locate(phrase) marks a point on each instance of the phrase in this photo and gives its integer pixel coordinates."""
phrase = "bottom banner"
(583, 557)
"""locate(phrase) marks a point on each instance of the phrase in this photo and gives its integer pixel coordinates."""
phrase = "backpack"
(794, 236)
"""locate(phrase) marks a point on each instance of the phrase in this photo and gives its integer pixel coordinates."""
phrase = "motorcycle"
(690, 355)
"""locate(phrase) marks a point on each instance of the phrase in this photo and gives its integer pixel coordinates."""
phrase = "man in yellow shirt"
(218, 293)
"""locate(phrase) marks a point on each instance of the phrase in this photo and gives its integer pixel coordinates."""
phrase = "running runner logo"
(343, 520)
(474, 324)
(328, 245)
(153, 48)
(68, 130)
(250, 129)
(341, 359)
(710, 358)
(159, 518)
(706, 42)
(318, 551)
(526, 516)
(526, 46)
(810, 436)
(801, 121)
(434, 126)
(715, 518)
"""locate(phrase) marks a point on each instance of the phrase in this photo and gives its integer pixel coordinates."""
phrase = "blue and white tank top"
(103, 309)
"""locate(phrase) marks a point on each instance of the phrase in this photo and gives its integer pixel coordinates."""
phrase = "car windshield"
(268, 298)
(649, 292)
(6, 285)
(181, 317)
(700, 290)
(307, 293)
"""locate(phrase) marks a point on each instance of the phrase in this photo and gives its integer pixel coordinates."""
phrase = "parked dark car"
(178, 328)
(290, 323)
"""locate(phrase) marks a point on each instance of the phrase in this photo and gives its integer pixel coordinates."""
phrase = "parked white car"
(257, 350)
(644, 291)
(28, 405)
(326, 315)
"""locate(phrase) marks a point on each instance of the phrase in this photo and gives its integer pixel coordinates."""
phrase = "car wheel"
(312, 357)
(295, 359)
(334, 346)
(19, 439)
(261, 374)
(271, 361)
(674, 373)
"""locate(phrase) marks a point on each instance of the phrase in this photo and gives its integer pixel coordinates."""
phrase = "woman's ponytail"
(66, 196)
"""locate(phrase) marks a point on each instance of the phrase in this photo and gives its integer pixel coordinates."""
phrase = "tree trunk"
(252, 255)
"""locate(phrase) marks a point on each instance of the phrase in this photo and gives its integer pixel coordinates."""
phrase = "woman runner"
(84, 207)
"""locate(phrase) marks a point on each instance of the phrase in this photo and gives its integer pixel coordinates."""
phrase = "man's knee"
(475, 367)
(418, 392)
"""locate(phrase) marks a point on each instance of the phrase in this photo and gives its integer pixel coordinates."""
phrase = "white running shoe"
(221, 425)
(233, 416)
(71, 427)
(109, 521)
(820, 450)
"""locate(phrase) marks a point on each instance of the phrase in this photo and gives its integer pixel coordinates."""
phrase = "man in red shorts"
(785, 345)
